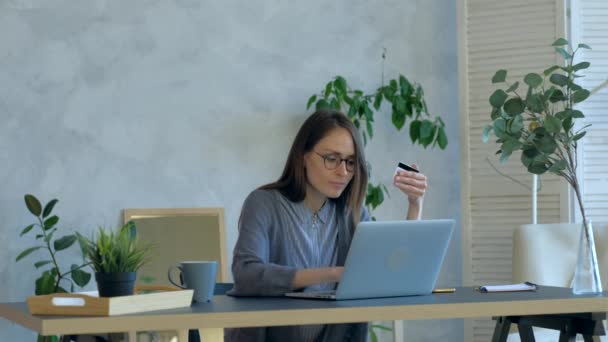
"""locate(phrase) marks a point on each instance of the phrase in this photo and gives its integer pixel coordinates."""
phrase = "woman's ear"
(305, 160)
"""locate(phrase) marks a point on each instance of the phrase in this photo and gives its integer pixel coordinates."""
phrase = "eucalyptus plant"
(539, 118)
(54, 279)
(406, 100)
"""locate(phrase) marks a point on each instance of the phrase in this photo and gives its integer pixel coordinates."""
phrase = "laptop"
(391, 259)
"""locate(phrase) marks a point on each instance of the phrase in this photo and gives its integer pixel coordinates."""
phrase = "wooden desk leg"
(182, 335)
(501, 331)
(212, 334)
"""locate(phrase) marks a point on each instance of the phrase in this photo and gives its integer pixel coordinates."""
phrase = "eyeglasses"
(333, 161)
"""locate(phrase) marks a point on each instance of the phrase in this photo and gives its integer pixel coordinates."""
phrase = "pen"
(446, 290)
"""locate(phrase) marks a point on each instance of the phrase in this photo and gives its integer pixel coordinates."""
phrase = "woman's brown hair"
(292, 183)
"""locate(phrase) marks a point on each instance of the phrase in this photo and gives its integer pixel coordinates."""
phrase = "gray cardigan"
(276, 238)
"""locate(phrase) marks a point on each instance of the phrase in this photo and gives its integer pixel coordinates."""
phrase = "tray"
(90, 304)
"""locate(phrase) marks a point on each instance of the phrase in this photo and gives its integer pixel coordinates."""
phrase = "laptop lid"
(394, 258)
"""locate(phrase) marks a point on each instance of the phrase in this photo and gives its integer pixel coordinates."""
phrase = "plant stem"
(76, 268)
(48, 246)
(579, 198)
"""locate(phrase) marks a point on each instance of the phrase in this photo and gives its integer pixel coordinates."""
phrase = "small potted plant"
(116, 257)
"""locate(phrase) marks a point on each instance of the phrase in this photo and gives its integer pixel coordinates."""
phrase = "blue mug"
(198, 276)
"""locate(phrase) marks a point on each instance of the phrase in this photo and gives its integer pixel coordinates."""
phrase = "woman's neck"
(314, 200)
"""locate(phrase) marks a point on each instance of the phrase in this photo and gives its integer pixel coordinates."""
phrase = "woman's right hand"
(314, 276)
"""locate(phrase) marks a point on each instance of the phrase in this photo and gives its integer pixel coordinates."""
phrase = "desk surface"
(226, 311)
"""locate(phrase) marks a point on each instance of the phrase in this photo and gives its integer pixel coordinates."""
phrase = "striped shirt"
(277, 237)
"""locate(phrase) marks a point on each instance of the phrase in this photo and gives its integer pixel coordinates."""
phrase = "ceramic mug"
(198, 276)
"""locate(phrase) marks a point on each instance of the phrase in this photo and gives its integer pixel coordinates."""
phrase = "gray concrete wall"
(147, 103)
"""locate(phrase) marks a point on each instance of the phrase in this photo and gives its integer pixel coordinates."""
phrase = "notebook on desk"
(391, 259)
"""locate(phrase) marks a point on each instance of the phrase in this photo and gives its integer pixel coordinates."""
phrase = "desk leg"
(501, 331)
(526, 334)
(567, 336)
(212, 334)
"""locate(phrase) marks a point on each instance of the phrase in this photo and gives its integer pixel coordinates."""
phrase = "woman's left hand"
(412, 184)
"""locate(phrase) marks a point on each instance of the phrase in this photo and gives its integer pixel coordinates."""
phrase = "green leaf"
(513, 87)
(579, 136)
(393, 85)
(328, 88)
(374, 196)
(527, 156)
(378, 101)
(567, 123)
(415, 130)
(39, 264)
(348, 100)
(563, 53)
(49, 207)
(340, 84)
(516, 125)
(366, 111)
(505, 156)
(560, 42)
(27, 252)
(495, 113)
(387, 92)
(80, 277)
(373, 336)
(580, 95)
(322, 104)
(577, 114)
(559, 79)
(547, 144)
(553, 124)
(404, 84)
(26, 229)
(398, 119)
(370, 128)
(426, 129)
(555, 95)
(500, 127)
(557, 167)
(442, 139)
(550, 70)
(580, 66)
(584, 46)
(33, 205)
(335, 103)
(485, 135)
(533, 80)
(514, 106)
(498, 98)
(64, 242)
(45, 284)
(499, 76)
(400, 104)
(380, 327)
(50, 222)
(535, 103)
(537, 168)
(311, 100)
(510, 145)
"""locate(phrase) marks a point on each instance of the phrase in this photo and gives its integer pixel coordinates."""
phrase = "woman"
(294, 233)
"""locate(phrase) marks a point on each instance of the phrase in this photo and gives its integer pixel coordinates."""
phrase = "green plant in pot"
(539, 120)
(54, 278)
(116, 256)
